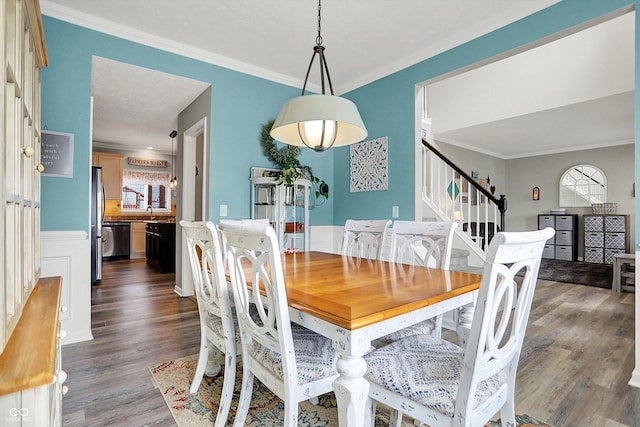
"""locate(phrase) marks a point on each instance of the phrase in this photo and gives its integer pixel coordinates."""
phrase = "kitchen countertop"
(140, 218)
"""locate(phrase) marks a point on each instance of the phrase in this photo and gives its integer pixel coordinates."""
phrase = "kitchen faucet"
(150, 208)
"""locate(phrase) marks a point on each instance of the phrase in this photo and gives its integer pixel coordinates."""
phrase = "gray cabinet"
(564, 245)
(605, 236)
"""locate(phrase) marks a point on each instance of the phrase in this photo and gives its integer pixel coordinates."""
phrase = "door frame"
(184, 285)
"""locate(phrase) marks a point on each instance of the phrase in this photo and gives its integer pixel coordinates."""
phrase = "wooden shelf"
(29, 358)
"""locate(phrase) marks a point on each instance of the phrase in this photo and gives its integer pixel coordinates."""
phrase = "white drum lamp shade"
(319, 122)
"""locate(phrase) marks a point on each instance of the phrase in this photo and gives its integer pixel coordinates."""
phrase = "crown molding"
(111, 28)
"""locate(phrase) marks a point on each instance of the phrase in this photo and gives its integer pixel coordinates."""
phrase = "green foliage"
(286, 158)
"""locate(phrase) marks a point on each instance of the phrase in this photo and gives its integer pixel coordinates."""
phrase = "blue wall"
(388, 105)
(240, 105)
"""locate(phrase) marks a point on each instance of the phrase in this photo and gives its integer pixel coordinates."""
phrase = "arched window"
(582, 185)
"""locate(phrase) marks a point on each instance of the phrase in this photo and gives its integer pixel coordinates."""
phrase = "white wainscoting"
(68, 254)
(326, 238)
(635, 375)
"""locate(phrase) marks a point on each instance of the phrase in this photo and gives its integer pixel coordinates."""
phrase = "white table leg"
(465, 317)
(352, 391)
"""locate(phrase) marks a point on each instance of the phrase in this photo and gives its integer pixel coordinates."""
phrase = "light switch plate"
(395, 211)
(223, 210)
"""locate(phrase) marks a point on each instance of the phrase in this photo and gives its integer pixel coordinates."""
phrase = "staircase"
(449, 194)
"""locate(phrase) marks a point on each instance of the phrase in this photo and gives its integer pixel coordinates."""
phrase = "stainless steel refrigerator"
(97, 217)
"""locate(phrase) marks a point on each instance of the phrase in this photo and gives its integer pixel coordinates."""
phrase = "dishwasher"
(116, 240)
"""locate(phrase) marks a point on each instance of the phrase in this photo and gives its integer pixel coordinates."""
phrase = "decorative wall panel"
(369, 165)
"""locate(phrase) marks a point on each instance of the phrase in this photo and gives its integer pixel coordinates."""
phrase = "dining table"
(353, 301)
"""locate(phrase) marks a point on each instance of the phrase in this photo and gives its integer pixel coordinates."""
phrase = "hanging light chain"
(319, 38)
(318, 50)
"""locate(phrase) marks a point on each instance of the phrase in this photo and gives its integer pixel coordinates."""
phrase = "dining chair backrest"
(217, 324)
(365, 238)
(498, 327)
(426, 243)
(294, 362)
(465, 387)
(255, 246)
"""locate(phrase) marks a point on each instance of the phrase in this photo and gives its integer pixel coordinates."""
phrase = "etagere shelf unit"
(285, 206)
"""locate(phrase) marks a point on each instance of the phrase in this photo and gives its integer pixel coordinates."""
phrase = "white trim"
(118, 30)
(326, 238)
(184, 285)
(456, 143)
(68, 254)
(70, 15)
(635, 375)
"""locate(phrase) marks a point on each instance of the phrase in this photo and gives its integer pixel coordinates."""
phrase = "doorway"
(195, 191)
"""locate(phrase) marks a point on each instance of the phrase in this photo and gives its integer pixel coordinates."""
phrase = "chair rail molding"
(68, 254)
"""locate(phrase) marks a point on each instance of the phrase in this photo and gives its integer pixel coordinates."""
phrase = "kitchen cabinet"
(605, 236)
(161, 246)
(564, 244)
(111, 164)
(285, 206)
(138, 239)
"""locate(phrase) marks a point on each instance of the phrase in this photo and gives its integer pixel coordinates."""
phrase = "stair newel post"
(502, 207)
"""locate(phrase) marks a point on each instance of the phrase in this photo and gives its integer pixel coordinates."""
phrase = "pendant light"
(319, 121)
(174, 181)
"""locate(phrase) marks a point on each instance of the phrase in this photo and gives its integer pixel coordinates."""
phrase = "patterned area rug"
(173, 379)
(581, 273)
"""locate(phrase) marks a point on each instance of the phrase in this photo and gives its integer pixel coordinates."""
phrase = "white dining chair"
(218, 326)
(426, 243)
(295, 363)
(365, 238)
(441, 384)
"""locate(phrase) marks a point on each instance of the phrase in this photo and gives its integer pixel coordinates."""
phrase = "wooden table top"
(353, 293)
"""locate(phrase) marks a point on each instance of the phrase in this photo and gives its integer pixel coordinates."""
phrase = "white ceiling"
(364, 40)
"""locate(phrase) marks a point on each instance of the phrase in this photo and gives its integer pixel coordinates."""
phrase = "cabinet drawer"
(549, 252)
(593, 223)
(615, 240)
(609, 255)
(615, 224)
(564, 223)
(546, 221)
(593, 239)
(564, 238)
(564, 253)
(593, 255)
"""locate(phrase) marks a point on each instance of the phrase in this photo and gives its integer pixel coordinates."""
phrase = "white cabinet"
(285, 206)
(23, 54)
(31, 375)
(605, 236)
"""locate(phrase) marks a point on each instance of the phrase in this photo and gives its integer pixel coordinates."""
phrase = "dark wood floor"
(577, 358)
(137, 321)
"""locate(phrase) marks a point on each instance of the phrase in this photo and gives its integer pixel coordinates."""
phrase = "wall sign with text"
(56, 154)
(154, 163)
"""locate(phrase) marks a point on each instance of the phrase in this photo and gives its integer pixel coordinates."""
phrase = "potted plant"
(286, 159)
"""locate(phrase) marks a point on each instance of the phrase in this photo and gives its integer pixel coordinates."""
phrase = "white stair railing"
(455, 196)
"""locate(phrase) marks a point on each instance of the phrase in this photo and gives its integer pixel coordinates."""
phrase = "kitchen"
(134, 216)
(134, 113)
